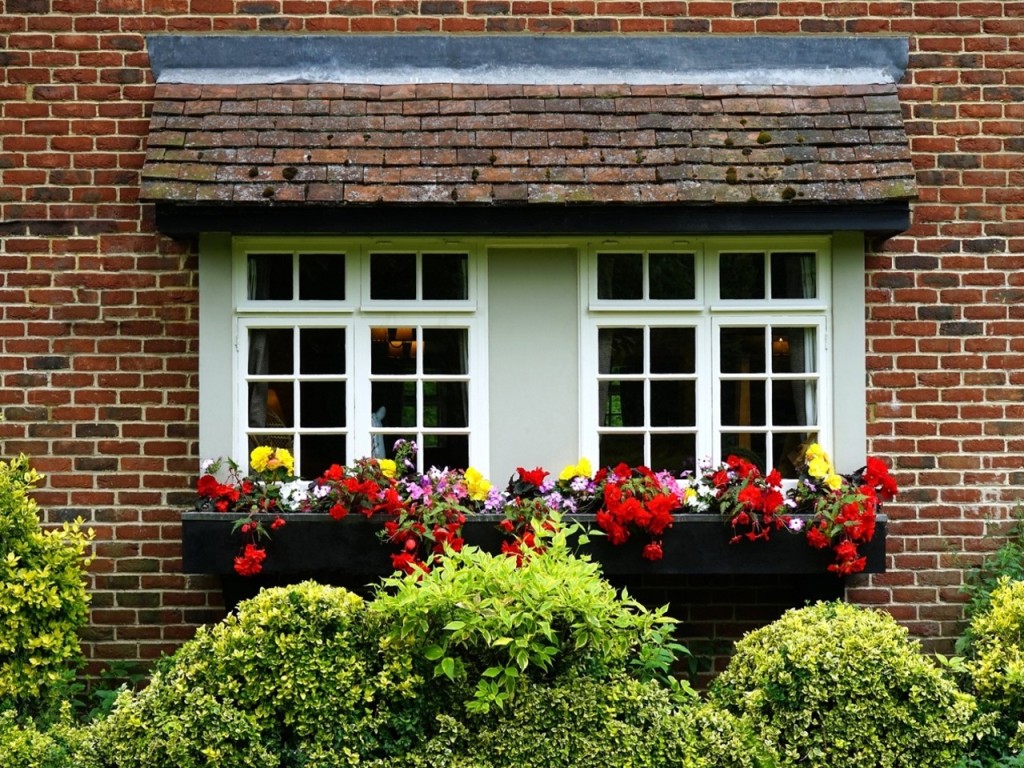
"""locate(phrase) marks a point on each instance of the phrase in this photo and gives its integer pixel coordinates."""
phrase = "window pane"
(746, 445)
(318, 452)
(794, 403)
(622, 403)
(673, 404)
(323, 403)
(444, 276)
(676, 453)
(620, 276)
(743, 403)
(621, 350)
(393, 276)
(741, 275)
(322, 350)
(444, 404)
(445, 450)
(794, 276)
(271, 404)
(788, 451)
(393, 351)
(793, 350)
(673, 350)
(270, 277)
(398, 399)
(742, 350)
(270, 352)
(322, 276)
(445, 351)
(616, 448)
(672, 276)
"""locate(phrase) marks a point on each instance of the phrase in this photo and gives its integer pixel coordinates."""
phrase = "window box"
(312, 545)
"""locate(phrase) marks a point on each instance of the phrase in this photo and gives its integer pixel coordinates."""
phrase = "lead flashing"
(527, 59)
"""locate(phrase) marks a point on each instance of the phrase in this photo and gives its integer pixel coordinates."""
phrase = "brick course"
(98, 312)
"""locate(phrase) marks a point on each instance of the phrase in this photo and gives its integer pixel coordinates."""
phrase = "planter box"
(314, 544)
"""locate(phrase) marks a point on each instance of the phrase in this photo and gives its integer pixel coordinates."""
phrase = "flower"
(580, 469)
(388, 467)
(266, 459)
(477, 485)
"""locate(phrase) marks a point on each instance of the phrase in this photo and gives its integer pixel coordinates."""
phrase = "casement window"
(503, 353)
(341, 350)
(707, 349)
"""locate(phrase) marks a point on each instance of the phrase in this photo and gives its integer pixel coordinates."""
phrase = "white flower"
(796, 524)
(293, 494)
(204, 466)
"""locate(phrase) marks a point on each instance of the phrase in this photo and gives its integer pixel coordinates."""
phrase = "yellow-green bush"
(835, 685)
(62, 745)
(291, 680)
(43, 600)
(996, 663)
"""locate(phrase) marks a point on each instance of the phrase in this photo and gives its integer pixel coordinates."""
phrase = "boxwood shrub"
(837, 685)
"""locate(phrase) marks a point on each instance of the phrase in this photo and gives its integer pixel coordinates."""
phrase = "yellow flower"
(388, 468)
(834, 481)
(690, 494)
(815, 451)
(583, 469)
(476, 484)
(264, 458)
(819, 467)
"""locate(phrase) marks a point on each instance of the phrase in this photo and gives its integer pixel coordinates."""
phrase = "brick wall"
(98, 317)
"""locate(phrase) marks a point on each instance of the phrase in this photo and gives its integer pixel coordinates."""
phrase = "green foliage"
(486, 626)
(836, 685)
(43, 600)
(1007, 562)
(585, 722)
(995, 665)
(291, 680)
(62, 745)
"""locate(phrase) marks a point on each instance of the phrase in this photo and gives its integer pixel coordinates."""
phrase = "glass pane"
(793, 350)
(445, 351)
(271, 404)
(323, 403)
(445, 277)
(673, 350)
(620, 276)
(620, 350)
(393, 276)
(676, 453)
(322, 276)
(743, 403)
(389, 442)
(742, 350)
(270, 352)
(616, 448)
(788, 451)
(445, 450)
(398, 401)
(746, 445)
(622, 403)
(393, 351)
(672, 276)
(444, 404)
(322, 350)
(673, 404)
(794, 403)
(319, 452)
(794, 276)
(741, 275)
(270, 277)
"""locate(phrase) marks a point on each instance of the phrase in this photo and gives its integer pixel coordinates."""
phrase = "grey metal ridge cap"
(528, 59)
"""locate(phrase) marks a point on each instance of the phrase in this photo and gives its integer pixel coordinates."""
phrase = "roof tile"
(449, 144)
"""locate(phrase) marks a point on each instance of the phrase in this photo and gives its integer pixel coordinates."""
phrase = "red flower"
(652, 551)
(250, 562)
(408, 563)
(337, 511)
(207, 486)
(277, 524)
(816, 538)
(533, 476)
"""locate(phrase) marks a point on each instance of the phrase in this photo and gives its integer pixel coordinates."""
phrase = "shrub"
(291, 680)
(996, 662)
(836, 685)
(486, 625)
(62, 745)
(43, 600)
(585, 722)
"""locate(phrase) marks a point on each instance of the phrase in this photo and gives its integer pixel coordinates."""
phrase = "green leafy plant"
(492, 625)
(62, 744)
(43, 599)
(837, 685)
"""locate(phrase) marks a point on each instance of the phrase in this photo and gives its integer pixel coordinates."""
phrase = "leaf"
(433, 653)
(448, 667)
(454, 626)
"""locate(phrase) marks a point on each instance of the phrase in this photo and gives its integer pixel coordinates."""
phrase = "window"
(511, 352)
(706, 350)
(343, 351)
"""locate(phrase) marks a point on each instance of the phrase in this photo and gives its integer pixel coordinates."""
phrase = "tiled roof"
(327, 144)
